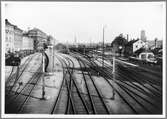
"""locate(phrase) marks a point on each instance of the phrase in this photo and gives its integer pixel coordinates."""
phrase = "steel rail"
(122, 97)
(97, 90)
(70, 100)
(21, 66)
(17, 94)
(60, 91)
(88, 90)
(21, 72)
(133, 84)
(74, 82)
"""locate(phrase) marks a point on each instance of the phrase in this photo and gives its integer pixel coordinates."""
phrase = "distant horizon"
(84, 21)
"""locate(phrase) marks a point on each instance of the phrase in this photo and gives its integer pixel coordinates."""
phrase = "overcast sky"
(64, 20)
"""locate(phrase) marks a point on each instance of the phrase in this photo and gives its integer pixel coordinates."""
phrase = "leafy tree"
(120, 41)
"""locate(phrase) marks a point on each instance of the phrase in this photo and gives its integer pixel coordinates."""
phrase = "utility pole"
(53, 51)
(113, 75)
(103, 50)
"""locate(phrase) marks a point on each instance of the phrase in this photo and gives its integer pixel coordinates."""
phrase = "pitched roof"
(8, 23)
(131, 42)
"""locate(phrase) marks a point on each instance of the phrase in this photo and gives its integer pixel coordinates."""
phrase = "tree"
(118, 45)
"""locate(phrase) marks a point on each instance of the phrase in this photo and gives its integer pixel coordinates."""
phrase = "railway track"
(16, 101)
(94, 98)
(22, 67)
(130, 89)
(15, 76)
(121, 75)
(98, 103)
(75, 102)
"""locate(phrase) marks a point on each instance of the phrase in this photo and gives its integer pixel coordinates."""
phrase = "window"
(150, 56)
(143, 56)
(136, 46)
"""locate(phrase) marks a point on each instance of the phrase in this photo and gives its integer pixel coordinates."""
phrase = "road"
(80, 85)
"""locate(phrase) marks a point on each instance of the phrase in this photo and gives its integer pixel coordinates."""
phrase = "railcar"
(145, 58)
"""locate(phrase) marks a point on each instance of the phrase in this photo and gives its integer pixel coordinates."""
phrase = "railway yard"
(77, 84)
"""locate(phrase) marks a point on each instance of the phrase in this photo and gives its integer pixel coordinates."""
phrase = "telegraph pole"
(103, 50)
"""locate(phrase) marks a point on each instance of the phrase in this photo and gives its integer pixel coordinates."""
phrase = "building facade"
(13, 37)
(9, 36)
(27, 43)
(18, 37)
(38, 36)
(134, 46)
(138, 44)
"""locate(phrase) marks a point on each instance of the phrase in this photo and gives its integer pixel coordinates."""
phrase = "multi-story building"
(18, 37)
(13, 36)
(9, 36)
(27, 43)
(38, 36)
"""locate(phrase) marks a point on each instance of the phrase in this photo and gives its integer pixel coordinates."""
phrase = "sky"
(86, 20)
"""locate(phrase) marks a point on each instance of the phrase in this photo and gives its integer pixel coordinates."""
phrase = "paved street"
(76, 84)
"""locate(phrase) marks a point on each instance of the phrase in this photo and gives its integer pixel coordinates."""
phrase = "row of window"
(8, 39)
(9, 32)
(138, 45)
